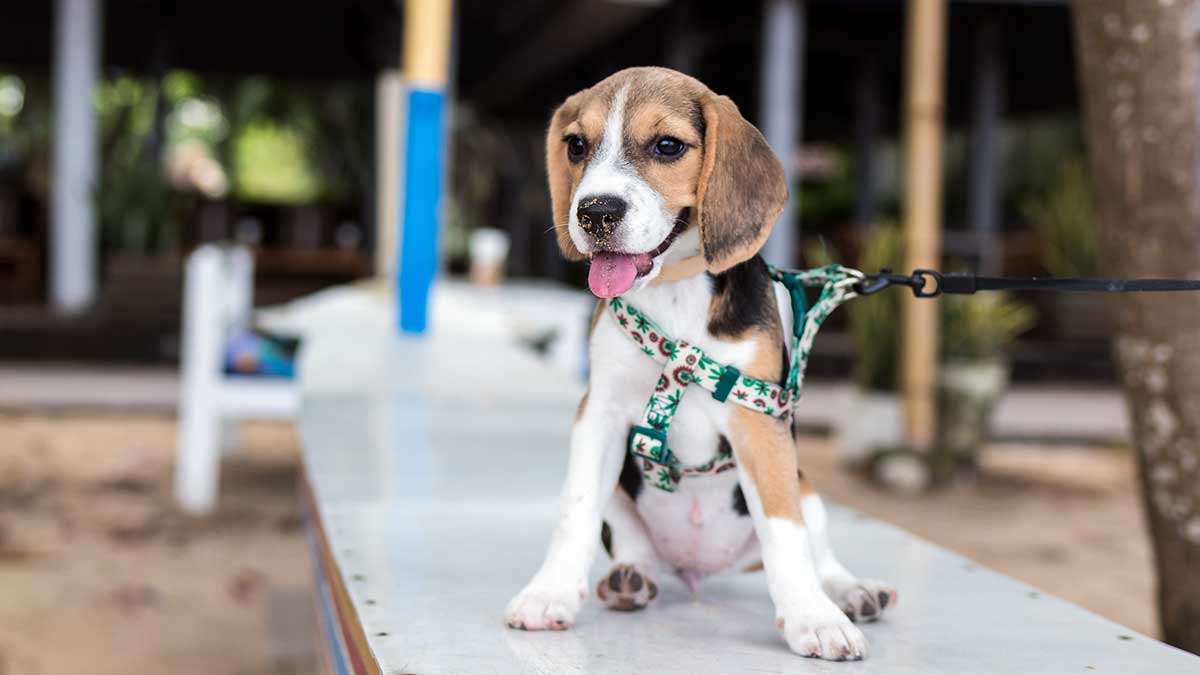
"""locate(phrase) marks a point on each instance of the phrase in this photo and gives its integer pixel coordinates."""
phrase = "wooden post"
(925, 40)
(427, 38)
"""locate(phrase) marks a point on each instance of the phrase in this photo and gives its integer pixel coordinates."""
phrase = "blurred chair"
(217, 301)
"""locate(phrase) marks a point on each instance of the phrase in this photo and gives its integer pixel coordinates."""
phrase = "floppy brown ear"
(741, 188)
(559, 176)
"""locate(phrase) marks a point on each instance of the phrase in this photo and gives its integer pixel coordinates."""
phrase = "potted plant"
(1066, 227)
(974, 371)
(872, 417)
(975, 332)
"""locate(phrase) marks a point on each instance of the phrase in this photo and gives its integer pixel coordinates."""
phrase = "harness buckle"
(649, 443)
(725, 383)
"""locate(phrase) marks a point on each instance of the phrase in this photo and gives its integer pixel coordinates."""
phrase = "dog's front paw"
(544, 606)
(832, 638)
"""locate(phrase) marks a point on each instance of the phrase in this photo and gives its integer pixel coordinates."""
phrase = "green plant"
(874, 320)
(133, 199)
(1064, 220)
(979, 327)
(133, 204)
(972, 327)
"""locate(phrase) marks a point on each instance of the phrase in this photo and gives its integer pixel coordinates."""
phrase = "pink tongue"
(612, 274)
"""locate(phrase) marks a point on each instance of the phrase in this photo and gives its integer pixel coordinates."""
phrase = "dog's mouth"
(613, 273)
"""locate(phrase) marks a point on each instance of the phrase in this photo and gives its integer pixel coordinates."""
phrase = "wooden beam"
(925, 75)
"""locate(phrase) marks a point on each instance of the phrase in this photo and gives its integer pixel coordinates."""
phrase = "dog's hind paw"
(626, 589)
(866, 600)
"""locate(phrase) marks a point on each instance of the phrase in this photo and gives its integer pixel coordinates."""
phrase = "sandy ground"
(1066, 520)
(100, 574)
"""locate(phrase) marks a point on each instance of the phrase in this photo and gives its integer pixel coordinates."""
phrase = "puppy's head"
(650, 166)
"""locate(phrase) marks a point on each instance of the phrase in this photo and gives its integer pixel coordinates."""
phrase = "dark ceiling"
(293, 38)
(517, 58)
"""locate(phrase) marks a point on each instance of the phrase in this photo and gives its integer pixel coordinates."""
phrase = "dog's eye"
(576, 148)
(669, 147)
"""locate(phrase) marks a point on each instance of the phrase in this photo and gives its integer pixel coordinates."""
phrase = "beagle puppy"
(669, 193)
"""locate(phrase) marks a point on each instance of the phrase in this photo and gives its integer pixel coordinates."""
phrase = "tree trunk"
(1139, 65)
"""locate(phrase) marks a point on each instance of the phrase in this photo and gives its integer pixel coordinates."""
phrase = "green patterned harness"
(685, 364)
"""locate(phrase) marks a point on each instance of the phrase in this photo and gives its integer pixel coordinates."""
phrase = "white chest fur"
(696, 527)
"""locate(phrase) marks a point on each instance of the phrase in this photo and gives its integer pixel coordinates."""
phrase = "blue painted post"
(426, 63)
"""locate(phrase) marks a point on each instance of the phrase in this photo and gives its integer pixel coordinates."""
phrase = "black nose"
(599, 216)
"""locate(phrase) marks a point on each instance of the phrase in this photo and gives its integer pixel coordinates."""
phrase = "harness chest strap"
(685, 364)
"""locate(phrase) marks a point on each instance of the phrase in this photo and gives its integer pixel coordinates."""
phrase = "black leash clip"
(918, 281)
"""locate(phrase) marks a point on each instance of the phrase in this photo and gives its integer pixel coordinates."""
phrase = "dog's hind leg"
(630, 584)
(860, 599)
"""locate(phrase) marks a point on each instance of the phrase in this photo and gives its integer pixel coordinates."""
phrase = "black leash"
(931, 283)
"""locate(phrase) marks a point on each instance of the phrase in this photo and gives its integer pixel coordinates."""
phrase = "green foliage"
(979, 327)
(874, 320)
(829, 198)
(133, 200)
(1065, 222)
(972, 327)
(271, 165)
(24, 122)
(133, 205)
(303, 143)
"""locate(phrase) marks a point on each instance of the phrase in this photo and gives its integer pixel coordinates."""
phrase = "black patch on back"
(744, 299)
(606, 537)
(631, 477)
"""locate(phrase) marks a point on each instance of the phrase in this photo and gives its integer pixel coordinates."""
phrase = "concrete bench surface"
(434, 500)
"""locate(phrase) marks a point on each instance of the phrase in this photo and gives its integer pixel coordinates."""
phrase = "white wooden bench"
(432, 494)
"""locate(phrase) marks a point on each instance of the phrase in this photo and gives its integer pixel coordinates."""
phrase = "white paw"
(865, 600)
(545, 606)
(833, 639)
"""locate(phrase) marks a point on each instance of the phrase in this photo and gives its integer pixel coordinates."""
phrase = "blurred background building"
(274, 124)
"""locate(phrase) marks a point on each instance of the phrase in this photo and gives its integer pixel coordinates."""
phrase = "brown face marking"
(744, 187)
(582, 115)
(655, 113)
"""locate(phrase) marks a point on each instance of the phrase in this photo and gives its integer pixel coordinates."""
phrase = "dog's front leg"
(552, 598)
(811, 623)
